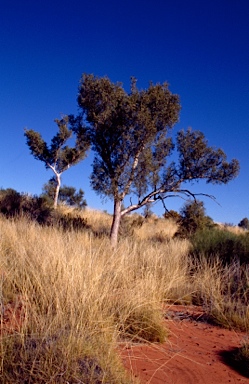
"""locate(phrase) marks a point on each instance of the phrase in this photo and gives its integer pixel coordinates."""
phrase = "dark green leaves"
(58, 155)
(128, 133)
(199, 161)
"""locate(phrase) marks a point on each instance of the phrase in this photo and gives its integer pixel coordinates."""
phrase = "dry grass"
(71, 296)
(233, 229)
(76, 297)
(224, 292)
(156, 229)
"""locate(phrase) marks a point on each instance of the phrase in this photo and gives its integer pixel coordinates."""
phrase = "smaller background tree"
(58, 156)
(193, 217)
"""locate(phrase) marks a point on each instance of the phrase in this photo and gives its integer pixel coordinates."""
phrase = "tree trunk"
(115, 223)
(57, 189)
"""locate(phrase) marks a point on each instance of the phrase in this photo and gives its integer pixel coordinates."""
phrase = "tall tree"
(132, 140)
(58, 156)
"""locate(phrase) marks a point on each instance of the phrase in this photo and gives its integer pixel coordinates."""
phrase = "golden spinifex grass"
(156, 229)
(223, 291)
(77, 298)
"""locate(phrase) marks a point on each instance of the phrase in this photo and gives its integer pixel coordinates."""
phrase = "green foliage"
(38, 209)
(198, 161)
(215, 242)
(193, 218)
(10, 202)
(59, 156)
(244, 223)
(67, 195)
(131, 138)
(13, 203)
(70, 221)
(128, 133)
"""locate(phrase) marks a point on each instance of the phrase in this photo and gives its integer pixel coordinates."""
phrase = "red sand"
(191, 355)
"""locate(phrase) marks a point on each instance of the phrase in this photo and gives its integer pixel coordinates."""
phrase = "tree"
(58, 156)
(131, 138)
(193, 217)
(67, 194)
(244, 223)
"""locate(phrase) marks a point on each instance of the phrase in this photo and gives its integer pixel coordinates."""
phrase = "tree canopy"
(132, 141)
(58, 156)
(67, 194)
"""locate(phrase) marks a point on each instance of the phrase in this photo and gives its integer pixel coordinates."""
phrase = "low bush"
(70, 221)
(143, 323)
(227, 246)
(193, 219)
(10, 202)
(13, 204)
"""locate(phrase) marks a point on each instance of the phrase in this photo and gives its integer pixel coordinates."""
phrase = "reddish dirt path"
(191, 355)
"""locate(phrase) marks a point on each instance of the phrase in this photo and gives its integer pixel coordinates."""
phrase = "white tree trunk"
(57, 189)
(115, 223)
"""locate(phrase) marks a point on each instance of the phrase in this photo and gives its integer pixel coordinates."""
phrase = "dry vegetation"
(66, 296)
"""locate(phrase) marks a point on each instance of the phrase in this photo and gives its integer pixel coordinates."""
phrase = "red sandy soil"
(191, 355)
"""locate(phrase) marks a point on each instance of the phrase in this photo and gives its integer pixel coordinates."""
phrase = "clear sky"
(199, 46)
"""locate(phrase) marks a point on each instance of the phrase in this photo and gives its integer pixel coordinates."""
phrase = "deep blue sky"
(199, 47)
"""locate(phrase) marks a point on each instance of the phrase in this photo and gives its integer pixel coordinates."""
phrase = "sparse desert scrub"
(71, 297)
(64, 327)
(223, 291)
(221, 243)
(221, 276)
(79, 297)
(99, 222)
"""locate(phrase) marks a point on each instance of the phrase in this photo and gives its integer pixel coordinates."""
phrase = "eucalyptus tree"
(131, 136)
(58, 156)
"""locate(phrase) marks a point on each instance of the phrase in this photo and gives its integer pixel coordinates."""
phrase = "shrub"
(244, 223)
(215, 242)
(144, 324)
(10, 202)
(193, 218)
(13, 204)
(70, 221)
(37, 208)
